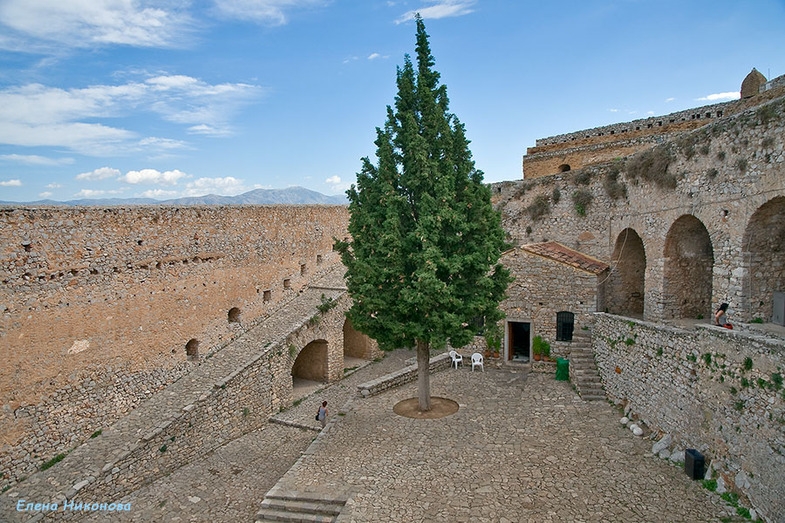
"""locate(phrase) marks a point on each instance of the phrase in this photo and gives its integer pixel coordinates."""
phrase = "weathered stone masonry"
(99, 305)
(708, 227)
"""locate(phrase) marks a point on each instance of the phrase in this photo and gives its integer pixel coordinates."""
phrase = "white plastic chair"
(456, 359)
(477, 361)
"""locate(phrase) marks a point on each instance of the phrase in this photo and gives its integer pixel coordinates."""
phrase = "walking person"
(321, 414)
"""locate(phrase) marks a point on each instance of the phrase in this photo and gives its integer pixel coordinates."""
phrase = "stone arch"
(311, 363)
(763, 259)
(355, 343)
(626, 282)
(234, 315)
(563, 168)
(687, 270)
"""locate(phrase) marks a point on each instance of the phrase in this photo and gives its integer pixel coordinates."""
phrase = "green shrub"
(539, 207)
(710, 484)
(747, 363)
(766, 113)
(583, 177)
(652, 166)
(541, 347)
(555, 195)
(613, 187)
(57, 459)
(581, 199)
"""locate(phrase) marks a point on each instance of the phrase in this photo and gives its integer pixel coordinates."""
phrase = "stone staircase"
(304, 507)
(583, 370)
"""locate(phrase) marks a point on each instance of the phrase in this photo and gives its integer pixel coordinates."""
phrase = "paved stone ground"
(521, 448)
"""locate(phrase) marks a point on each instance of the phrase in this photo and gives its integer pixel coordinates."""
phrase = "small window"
(192, 349)
(287, 283)
(267, 296)
(234, 315)
(563, 168)
(565, 321)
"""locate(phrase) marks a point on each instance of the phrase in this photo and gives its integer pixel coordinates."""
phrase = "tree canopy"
(422, 259)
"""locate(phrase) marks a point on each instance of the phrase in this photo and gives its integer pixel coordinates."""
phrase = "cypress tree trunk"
(423, 375)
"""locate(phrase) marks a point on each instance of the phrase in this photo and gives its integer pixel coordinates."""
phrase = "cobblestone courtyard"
(522, 447)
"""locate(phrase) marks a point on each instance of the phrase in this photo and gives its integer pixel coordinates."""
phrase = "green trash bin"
(562, 369)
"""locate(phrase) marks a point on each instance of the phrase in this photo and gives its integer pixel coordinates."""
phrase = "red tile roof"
(562, 254)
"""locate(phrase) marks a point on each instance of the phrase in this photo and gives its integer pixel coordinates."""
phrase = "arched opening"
(763, 259)
(311, 363)
(689, 260)
(624, 288)
(355, 343)
(234, 315)
(192, 349)
(563, 168)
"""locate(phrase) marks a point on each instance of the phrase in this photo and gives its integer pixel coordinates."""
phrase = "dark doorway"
(518, 336)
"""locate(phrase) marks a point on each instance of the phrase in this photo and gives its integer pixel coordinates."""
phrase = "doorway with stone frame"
(518, 341)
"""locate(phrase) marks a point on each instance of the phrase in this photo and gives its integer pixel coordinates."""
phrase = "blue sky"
(170, 98)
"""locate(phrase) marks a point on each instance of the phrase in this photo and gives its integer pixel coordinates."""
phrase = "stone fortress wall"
(578, 149)
(103, 307)
(685, 225)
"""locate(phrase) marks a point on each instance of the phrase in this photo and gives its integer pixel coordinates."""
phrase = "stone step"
(281, 504)
(283, 515)
(593, 397)
(302, 506)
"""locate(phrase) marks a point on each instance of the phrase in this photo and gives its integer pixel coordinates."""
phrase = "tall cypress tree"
(422, 261)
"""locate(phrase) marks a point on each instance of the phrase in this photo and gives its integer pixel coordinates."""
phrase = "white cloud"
(53, 185)
(159, 194)
(333, 180)
(45, 194)
(153, 176)
(227, 186)
(50, 24)
(10, 183)
(733, 95)
(34, 159)
(439, 9)
(102, 173)
(270, 12)
(37, 115)
(93, 193)
(668, 100)
(374, 56)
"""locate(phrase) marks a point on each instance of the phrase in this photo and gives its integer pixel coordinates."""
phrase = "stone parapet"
(712, 389)
(402, 376)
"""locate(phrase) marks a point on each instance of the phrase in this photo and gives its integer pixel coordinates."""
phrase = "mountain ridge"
(290, 196)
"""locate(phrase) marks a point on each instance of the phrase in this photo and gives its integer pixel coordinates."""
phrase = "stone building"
(685, 215)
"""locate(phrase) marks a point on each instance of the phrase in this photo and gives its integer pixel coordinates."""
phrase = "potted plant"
(541, 349)
(493, 340)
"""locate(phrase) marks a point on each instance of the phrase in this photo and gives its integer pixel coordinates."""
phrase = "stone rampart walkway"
(87, 462)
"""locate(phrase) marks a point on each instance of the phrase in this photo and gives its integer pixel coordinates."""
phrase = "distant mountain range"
(288, 196)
